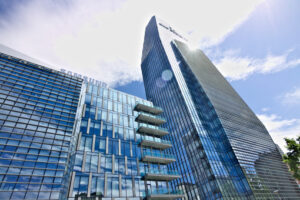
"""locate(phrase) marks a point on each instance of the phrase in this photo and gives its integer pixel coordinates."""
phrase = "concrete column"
(126, 170)
(113, 131)
(88, 126)
(120, 152)
(106, 148)
(83, 162)
(133, 186)
(83, 110)
(99, 163)
(96, 113)
(87, 87)
(79, 141)
(113, 164)
(131, 149)
(124, 133)
(120, 184)
(92, 96)
(98, 92)
(89, 185)
(105, 183)
(72, 184)
(101, 128)
(93, 144)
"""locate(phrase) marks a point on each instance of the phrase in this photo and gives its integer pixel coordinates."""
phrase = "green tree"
(292, 157)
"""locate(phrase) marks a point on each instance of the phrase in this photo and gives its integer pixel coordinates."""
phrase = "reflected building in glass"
(223, 151)
(64, 136)
(38, 109)
(120, 153)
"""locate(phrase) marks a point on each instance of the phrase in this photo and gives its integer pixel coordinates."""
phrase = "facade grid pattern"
(108, 153)
(37, 115)
(222, 149)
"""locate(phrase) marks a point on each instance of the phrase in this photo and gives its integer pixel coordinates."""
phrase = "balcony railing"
(148, 141)
(151, 130)
(157, 158)
(148, 108)
(160, 175)
(161, 155)
(163, 194)
(160, 172)
(149, 118)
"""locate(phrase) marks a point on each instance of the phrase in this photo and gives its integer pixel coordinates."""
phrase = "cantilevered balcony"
(149, 118)
(163, 194)
(158, 143)
(147, 108)
(157, 175)
(157, 158)
(151, 130)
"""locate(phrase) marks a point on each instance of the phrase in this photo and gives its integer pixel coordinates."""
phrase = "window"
(108, 164)
(102, 145)
(94, 163)
(115, 147)
(115, 187)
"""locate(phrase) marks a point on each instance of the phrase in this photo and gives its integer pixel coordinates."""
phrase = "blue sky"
(255, 44)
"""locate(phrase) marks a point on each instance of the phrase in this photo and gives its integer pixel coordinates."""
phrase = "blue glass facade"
(107, 153)
(67, 137)
(37, 115)
(222, 150)
(111, 148)
(64, 137)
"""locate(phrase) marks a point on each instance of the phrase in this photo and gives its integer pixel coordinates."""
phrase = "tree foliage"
(292, 157)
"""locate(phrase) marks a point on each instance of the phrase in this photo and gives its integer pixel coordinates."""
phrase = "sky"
(255, 44)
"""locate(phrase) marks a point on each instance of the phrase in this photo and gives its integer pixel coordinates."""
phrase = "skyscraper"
(223, 150)
(64, 136)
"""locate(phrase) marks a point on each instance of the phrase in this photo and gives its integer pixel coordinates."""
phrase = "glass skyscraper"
(64, 136)
(223, 151)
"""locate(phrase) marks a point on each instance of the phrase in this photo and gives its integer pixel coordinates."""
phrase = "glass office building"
(38, 109)
(120, 153)
(64, 136)
(223, 151)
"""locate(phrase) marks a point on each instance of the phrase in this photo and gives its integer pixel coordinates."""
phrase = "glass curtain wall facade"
(222, 149)
(66, 137)
(109, 158)
(37, 114)
(106, 161)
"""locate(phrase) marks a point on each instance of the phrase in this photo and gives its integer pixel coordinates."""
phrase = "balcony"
(152, 130)
(148, 141)
(163, 194)
(147, 108)
(149, 118)
(157, 175)
(157, 158)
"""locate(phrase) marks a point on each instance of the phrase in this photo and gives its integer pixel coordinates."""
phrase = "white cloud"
(292, 97)
(280, 128)
(265, 109)
(103, 38)
(235, 67)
